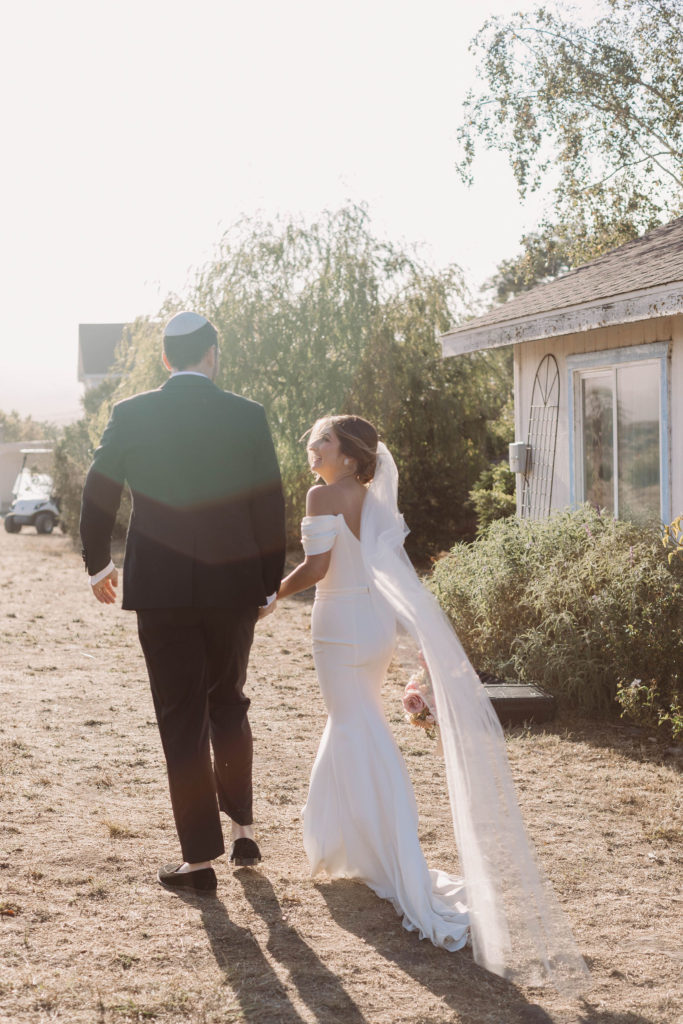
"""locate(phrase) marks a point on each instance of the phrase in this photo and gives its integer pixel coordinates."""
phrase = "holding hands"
(104, 590)
(267, 609)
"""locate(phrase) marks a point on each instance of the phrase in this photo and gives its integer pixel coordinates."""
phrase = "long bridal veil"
(518, 928)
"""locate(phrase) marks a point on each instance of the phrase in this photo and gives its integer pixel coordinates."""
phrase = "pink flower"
(416, 682)
(413, 702)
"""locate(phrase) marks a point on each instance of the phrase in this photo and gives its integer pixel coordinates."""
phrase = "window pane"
(598, 440)
(638, 439)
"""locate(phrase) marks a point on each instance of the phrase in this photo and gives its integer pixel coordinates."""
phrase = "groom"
(204, 559)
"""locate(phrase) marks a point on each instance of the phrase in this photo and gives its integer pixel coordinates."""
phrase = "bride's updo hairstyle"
(357, 439)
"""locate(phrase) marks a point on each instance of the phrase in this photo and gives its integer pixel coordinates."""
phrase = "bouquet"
(418, 702)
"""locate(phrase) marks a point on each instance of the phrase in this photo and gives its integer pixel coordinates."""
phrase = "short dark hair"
(183, 350)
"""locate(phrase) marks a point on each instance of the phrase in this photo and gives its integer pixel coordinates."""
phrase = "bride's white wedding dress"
(360, 820)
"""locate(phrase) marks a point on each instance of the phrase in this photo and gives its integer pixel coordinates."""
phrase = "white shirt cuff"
(269, 600)
(101, 574)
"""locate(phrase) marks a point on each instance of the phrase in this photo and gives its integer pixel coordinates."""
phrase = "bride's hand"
(267, 609)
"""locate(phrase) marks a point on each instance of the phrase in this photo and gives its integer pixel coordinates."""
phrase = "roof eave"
(664, 300)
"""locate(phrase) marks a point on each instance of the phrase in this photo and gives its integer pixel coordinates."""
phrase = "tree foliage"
(14, 427)
(595, 109)
(546, 254)
(493, 496)
(325, 318)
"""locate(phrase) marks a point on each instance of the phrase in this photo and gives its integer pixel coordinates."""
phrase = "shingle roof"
(652, 261)
(96, 348)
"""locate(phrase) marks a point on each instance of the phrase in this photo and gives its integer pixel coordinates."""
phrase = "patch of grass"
(98, 892)
(132, 1011)
(126, 960)
(667, 833)
(117, 831)
(19, 748)
(46, 1002)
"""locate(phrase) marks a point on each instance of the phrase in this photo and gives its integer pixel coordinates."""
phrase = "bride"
(360, 819)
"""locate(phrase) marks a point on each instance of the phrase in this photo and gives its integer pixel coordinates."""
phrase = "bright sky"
(136, 132)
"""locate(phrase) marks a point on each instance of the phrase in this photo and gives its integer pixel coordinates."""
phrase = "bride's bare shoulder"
(321, 501)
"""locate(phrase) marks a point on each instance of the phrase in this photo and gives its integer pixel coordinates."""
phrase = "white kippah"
(184, 323)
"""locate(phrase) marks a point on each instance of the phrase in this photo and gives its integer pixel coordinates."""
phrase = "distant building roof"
(96, 348)
(637, 281)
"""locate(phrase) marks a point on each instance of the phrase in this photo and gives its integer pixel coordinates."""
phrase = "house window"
(619, 411)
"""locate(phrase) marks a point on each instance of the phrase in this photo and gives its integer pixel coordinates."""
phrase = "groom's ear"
(164, 359)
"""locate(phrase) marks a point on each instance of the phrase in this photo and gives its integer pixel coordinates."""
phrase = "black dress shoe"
(244, 853)
(203, 880)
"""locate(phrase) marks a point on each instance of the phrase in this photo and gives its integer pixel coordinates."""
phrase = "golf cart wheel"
(45, 522)
(11, 525)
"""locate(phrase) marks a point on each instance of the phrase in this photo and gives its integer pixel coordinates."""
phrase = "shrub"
(73, 455)
(579, 603)
(71, 460)
(493, 496)
(643, 703)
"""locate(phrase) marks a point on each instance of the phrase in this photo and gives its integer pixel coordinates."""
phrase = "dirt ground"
(87, 934)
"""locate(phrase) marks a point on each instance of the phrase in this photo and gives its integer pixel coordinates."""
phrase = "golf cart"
(33, 503)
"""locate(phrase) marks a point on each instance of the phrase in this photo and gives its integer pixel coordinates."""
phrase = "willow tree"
(595, 110)
(324, 317)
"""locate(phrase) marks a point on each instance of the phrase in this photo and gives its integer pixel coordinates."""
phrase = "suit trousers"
(197, 665)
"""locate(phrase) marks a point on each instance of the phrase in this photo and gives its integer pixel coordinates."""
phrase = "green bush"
(73, 455)
(493, 496)
(71, 460)
(579, 603)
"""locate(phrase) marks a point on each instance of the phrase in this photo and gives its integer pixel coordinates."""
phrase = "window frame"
(581, 365)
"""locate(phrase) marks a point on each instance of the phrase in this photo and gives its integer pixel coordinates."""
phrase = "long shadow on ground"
(473, 994)
(249, 976)
(470, 991)
(262, 996)
(317, 986)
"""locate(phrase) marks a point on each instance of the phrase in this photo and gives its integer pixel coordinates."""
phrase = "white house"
(97, 351)
(598, 380)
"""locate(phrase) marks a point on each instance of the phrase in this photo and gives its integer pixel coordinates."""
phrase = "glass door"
(638, 437)
(598, 448)
(620, 439)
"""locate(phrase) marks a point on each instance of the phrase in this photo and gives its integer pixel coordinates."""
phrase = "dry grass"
(87, 935)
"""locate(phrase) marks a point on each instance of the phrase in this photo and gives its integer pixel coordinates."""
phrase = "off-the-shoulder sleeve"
(318, 533)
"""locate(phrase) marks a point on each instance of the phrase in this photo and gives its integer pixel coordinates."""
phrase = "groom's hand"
(105, 590)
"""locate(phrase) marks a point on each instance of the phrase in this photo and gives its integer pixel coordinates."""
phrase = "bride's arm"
(310, 571)
(314, 567)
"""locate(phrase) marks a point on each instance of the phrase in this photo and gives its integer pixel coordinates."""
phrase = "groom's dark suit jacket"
(207, 526)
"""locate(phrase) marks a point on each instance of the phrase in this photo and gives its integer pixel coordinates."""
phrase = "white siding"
(677, 417)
